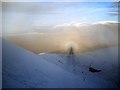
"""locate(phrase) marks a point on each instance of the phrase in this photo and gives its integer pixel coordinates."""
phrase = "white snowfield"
(23, 69)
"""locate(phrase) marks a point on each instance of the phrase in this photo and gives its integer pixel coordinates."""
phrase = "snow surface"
(24, 69)
(105, 59)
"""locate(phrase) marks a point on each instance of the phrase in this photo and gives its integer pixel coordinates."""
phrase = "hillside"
(23, 69)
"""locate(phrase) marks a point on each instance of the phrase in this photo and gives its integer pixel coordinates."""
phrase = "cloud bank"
(82, 37)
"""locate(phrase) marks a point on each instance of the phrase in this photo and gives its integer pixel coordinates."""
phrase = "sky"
(49, 26)
(24, 15)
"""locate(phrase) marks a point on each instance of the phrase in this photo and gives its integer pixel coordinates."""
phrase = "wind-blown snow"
(22, 68)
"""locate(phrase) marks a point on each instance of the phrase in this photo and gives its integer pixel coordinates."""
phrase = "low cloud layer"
(83, 38)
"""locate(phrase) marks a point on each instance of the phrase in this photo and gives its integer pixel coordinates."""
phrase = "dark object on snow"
(93, 70)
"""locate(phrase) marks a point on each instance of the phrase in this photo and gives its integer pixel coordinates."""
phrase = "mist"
(83, 38)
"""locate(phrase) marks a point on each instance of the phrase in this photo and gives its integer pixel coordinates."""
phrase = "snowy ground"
(106, 60)
(23, 69)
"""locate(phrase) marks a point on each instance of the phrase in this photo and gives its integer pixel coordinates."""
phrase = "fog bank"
(83, 38)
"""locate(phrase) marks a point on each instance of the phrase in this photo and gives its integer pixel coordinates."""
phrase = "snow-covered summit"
(22, 69)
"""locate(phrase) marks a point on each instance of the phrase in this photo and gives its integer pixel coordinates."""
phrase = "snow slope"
(23, 69)
(105, 59)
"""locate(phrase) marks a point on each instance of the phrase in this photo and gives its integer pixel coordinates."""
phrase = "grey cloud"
(32, 7)
(28, 7)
